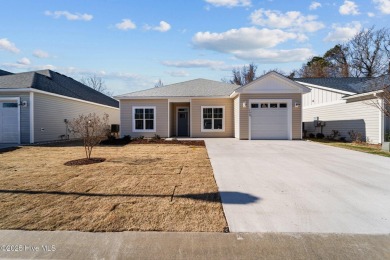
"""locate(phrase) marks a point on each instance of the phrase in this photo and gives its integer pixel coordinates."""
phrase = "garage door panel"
(269, 123)
(9, 129)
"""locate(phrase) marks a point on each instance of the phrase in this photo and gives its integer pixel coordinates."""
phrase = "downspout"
(32, 133)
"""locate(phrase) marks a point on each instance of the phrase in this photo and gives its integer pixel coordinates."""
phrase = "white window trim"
(154, 120)
(223, 119)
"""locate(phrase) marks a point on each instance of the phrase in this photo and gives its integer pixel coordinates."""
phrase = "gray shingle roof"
(191, 88)
(372, 85)
(343, 84)
(53, 82)
(3, 72)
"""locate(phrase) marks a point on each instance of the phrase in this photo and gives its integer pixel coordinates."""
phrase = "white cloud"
(275, 56)
(293, 20)
(252, 44)
(349, 8)
(5, 44)
(243, 38)
(28, 67)
(163, 27)
(314, 5)
(194, 64)
(125, 25)
(24, 61)
(370, 14)
(40, 54)
(178, 73)
(343, 33)
(383, 6)
(229, 3)
(69, 16)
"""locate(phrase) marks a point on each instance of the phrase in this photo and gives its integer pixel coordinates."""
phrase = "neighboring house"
(36, 106)
(267, 108)
(345, 104)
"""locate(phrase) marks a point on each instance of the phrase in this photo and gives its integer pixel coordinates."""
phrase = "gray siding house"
(345, 104)
(36, 106)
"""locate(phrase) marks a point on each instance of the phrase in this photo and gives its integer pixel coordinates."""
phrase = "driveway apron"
(299, 186)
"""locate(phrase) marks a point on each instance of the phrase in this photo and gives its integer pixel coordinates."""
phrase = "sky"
(133, 44)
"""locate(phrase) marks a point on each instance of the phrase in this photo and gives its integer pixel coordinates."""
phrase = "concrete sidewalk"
(163, 245)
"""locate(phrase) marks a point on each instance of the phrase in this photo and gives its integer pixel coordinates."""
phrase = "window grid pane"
(139, 124)
(217, 112)
(217, 123)
(139, 113)
(149, 124)
(207, 113)
(6, 105)
(207, 124)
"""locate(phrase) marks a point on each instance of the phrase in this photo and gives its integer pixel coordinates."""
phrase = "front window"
(144, 119)
(212, 119)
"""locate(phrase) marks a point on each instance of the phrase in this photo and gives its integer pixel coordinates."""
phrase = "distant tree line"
(367, 54)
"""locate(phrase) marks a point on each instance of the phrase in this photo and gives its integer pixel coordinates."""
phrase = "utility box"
(386, 146)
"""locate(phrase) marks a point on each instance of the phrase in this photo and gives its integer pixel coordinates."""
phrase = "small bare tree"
(369, 52)
(244, 75)
(96, 83)
(381, 89)
(159, 84)
(92, 129)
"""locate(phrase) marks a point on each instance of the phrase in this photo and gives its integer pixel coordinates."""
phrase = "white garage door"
(9, 119)
(270, 120)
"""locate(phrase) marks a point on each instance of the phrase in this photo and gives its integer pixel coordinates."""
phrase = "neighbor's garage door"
(270, 120)
(9, 129)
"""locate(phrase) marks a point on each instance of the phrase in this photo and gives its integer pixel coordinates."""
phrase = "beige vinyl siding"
(343, 117)
(237, 117)
(161, 116)
(320, 96)
(50, 112)
(24, 114)
(296, 112)
(196, 113)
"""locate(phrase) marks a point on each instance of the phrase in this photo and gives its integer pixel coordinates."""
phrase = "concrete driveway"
(298, 186)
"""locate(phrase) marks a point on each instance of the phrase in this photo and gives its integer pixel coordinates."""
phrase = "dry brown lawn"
(148, 187)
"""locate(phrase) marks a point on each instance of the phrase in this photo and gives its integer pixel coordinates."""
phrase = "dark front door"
(182, 122)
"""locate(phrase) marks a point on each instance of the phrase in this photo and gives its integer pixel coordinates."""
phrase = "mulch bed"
(163, 141)
(84, 161)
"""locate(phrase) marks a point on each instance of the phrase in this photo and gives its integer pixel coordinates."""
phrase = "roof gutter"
(374, 93)
(168, 97)
(326, 88)
(33, 90)
(234, 94)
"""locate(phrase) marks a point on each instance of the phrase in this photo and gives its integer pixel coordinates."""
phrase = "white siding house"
(338, 103)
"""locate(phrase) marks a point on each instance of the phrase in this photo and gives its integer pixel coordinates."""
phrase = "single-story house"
(37, 106)
(345, 104)
(267, 108)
